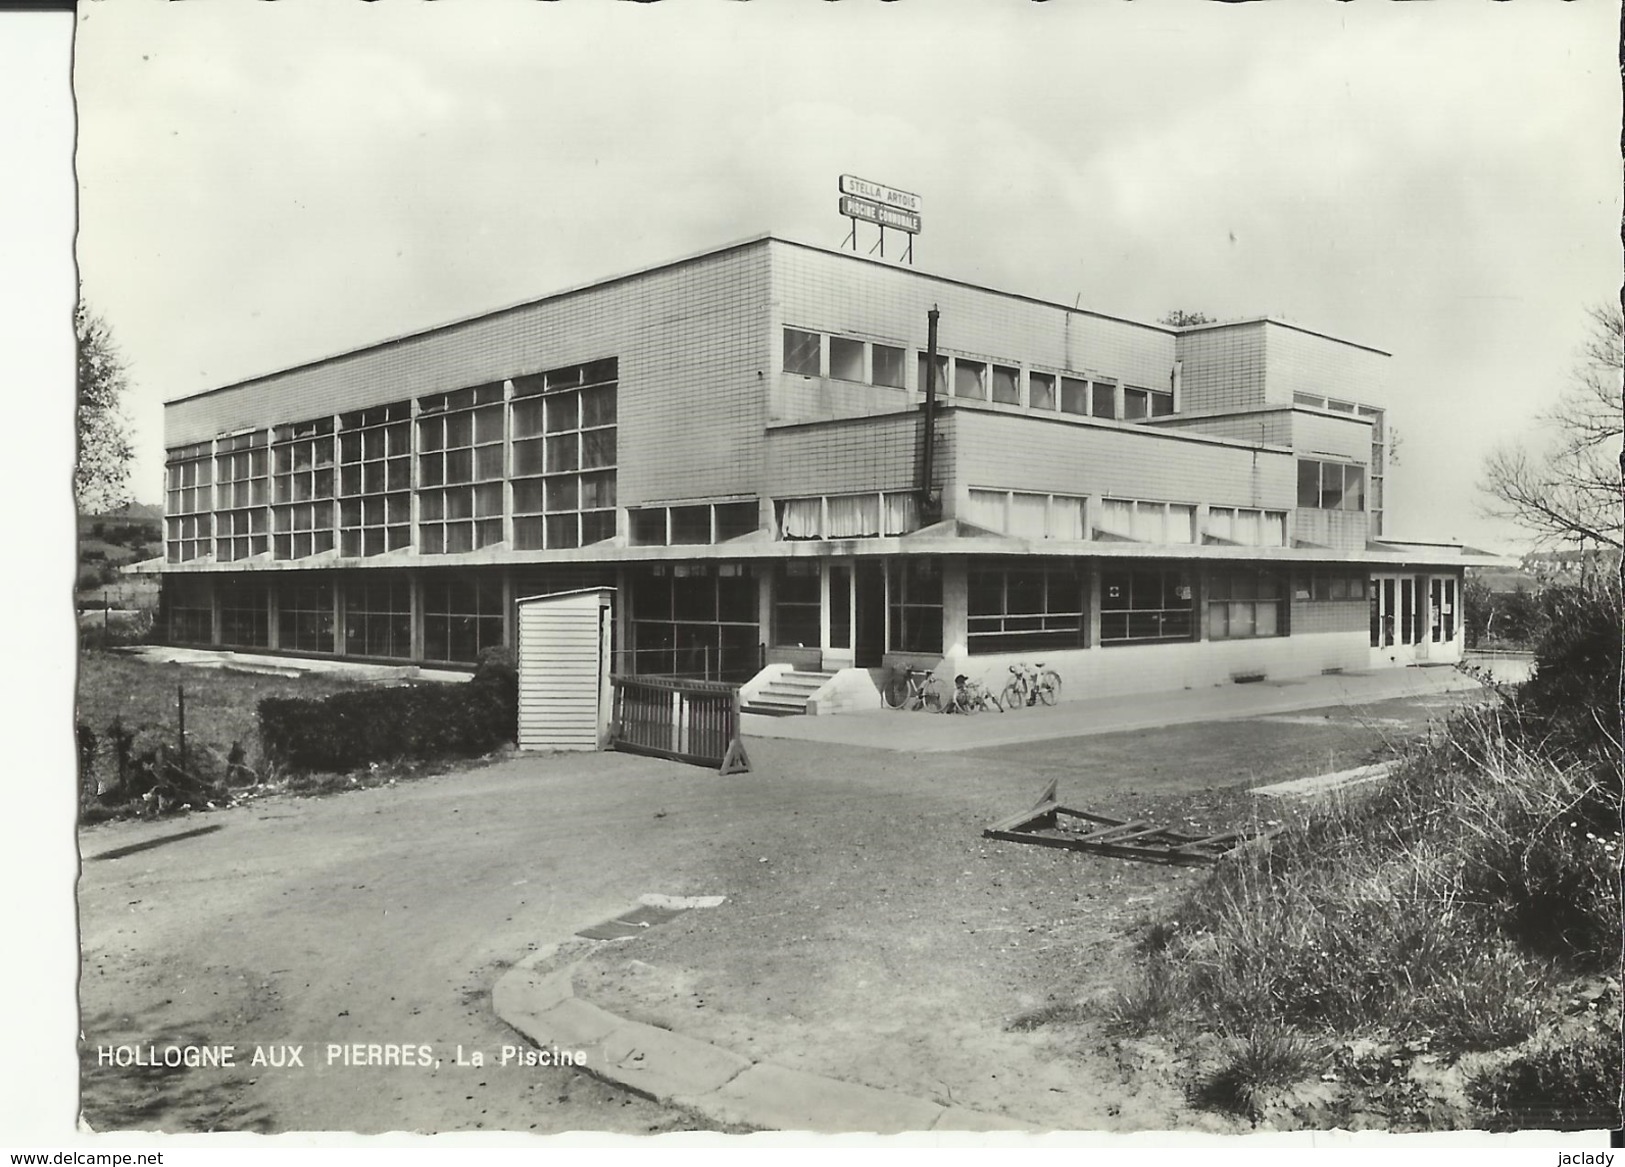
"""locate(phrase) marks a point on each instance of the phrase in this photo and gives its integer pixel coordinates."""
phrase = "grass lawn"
(221, 706)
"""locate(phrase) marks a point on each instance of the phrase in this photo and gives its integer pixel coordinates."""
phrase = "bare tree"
(101, 475)
(1570, 491)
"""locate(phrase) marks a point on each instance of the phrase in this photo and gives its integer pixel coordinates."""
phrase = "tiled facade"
(736, 442)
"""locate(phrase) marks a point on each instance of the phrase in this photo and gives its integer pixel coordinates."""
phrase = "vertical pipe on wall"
(928, 455)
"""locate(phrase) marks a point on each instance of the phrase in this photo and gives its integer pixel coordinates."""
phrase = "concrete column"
(273, 601)
(216, 621)
(1092, 593)
(955, 610)
(415, 589)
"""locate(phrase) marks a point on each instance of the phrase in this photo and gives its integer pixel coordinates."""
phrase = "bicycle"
(971, 697)
(912, 688)
(1031, 685)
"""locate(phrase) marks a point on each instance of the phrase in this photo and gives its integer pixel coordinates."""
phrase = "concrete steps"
(786, 695)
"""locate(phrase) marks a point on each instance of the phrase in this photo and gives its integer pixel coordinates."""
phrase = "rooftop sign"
(886, 196)
(884, 216)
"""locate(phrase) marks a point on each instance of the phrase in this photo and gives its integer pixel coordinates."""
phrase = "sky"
(262, 184)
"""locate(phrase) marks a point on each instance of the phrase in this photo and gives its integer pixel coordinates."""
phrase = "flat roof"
(765, 237)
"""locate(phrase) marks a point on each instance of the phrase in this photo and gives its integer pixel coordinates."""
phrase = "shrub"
(1449, 907)
(349, 730)
(1569, 1084)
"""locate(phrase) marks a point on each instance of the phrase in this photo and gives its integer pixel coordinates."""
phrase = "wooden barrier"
(669, 717)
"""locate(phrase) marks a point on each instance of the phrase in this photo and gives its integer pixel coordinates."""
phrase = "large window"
(564, 456)
(846, 359)
(378, 616)
(242, 492)
(302, 464)
(796, 604)
(186, 610)
(1027, 515)
(375, 479)
(462, 615)
(1331, 486)
(460, 469)
(1006, 384)
(245, 613)
(1146, 604)
(1041, 390)
(970, 379)
(1148, 522)
(1024, 607)
(692, 524)
(1246, 526)
(916, 605)
(189, 471)
(1330, 585)
(695, 620)
(305, 615)
(801, 352)
(1245, 602)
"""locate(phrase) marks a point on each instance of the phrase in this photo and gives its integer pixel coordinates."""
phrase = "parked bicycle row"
(916, 689)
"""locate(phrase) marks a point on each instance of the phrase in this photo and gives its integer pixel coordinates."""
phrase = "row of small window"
(562, 421)
(1056, 516)
(695, 523)
(874, 363)
(1338, 406)
(847, 516)
(461, 618)
(1013, 610)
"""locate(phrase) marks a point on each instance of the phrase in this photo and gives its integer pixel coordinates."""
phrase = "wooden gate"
(669, 717)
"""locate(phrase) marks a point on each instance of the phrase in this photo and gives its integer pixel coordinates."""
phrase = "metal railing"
(670, 717)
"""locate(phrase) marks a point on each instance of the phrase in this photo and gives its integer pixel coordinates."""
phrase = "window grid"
(1331, 486)
(915, 605)
(302, 488)
(375, 479)
(378, 617)
(188, 525)
(460, 453)
(461, 618)
(1246, 603)
(1026, 607)
(242, 492)
(305, 616)
(1146, 604)
(563, 460)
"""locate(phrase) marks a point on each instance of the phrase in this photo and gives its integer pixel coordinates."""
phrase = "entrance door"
(869, 611)
(1397, 616)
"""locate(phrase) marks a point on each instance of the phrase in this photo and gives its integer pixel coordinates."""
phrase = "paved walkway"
(920, 732)
(537, 998)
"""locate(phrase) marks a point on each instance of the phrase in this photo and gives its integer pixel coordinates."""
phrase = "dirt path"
(869, 933)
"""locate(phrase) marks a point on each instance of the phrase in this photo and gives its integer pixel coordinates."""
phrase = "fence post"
(736, 760)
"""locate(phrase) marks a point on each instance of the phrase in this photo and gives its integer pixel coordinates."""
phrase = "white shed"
(565, 701)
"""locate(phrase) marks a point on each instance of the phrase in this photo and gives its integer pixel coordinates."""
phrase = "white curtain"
(1147, 523)
(1247, 528)
(853, 516)
(1181, 523)
(898, 513)
(986, 509)
(1274, 529)
(801, 517)
(1221, 523)
(1028, 516)
(1117, 517)
(1066, 518)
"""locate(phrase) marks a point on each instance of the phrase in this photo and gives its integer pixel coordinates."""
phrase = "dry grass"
(1449, 914)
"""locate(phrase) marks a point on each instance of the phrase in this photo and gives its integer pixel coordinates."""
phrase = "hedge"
(420, 722)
